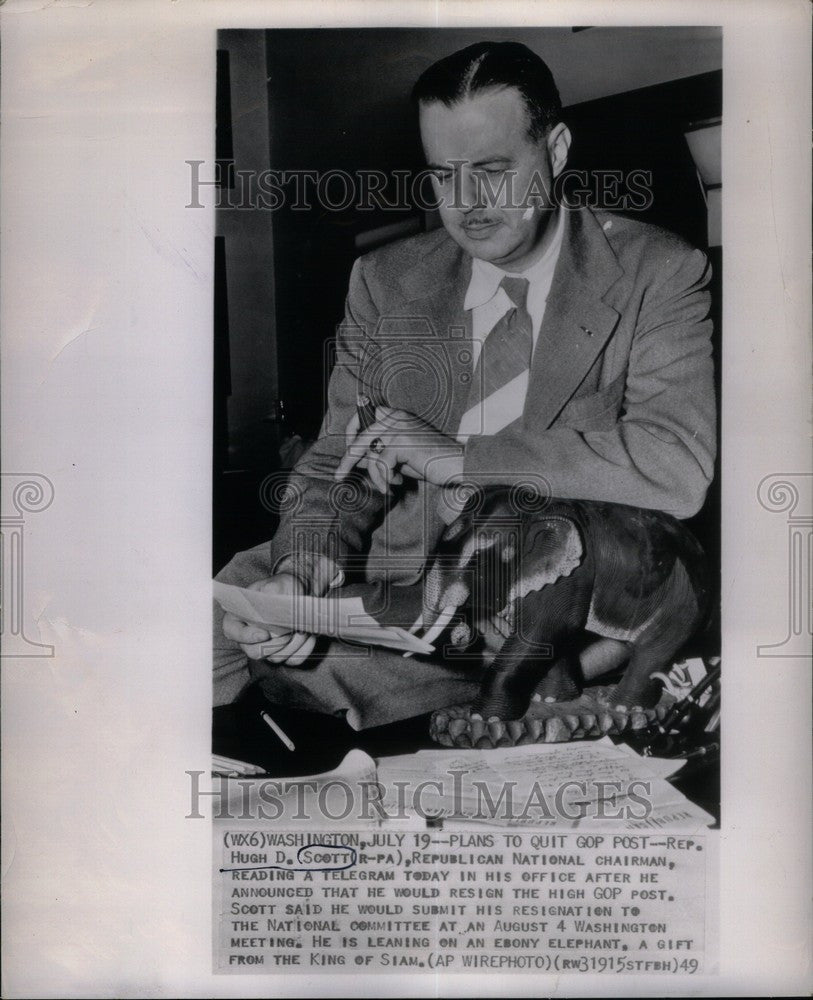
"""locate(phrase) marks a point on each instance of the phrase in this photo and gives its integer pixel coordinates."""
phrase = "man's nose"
(472, 194)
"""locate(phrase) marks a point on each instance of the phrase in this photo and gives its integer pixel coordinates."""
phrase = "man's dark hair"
(488, 65)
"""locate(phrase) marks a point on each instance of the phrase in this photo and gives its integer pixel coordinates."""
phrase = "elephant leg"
(594, 657)
(548, 622)
(600, 656)
(560, 682)
(637, 689)
(512, 678)
(500, 714)
(652, 652)
(655, 649)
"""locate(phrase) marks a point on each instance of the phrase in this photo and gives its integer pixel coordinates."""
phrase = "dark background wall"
(338, 100)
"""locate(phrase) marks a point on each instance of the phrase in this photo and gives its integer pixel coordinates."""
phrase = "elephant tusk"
(414, 631)
(418, 623)
(441, 622)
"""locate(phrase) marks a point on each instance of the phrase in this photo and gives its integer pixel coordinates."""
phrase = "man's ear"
(558, 142)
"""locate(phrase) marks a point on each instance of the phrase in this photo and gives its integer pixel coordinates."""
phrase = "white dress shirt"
(489, 303)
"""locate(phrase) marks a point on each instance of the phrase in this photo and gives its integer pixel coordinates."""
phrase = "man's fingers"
(278, 644)
(408, 470)
(361, 444)
(260, 650)
(356, 450)
(346, 464)
(305, 651)
(376, 469)
(279, 654)
(352, 429)
(243, 632)
(387, 469)
(379, 465)
(291, 648)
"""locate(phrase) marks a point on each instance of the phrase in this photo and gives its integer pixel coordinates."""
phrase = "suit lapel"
(436, 289)
(577, 321)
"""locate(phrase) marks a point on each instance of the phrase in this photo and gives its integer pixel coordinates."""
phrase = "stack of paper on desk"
(340, 617)
(245, 792)
(558, 784)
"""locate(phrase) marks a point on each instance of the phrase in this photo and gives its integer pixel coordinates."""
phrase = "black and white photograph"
(539, 507)
(402, 421)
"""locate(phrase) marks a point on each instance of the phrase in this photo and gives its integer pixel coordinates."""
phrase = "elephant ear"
(553, 549)
(441, 592)
(457, 527)
(431, 590)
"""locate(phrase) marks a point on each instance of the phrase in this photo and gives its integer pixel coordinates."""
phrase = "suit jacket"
(620, 404)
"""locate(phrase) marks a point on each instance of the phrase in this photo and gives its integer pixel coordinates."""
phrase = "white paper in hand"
(340, 617)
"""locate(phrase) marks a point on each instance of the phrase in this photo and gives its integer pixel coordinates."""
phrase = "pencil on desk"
(237, 765)
(272, 725)
(223, 764)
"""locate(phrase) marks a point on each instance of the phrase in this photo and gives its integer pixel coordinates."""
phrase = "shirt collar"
(486, 277)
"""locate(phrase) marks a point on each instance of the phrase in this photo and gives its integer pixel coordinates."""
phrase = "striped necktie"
(497, 392)
(506, 354)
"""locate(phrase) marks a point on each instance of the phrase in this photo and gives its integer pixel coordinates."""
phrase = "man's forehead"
(476, 122)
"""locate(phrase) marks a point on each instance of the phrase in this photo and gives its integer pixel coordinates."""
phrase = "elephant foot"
(594, 713)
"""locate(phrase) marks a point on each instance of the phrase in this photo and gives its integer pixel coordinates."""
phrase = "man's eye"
(443, 176)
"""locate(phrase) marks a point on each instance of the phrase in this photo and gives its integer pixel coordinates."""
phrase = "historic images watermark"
(791, 494)
(459, 792)
(425, 190)
(22, 493)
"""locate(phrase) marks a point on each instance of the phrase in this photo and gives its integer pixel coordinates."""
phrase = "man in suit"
(525, 342)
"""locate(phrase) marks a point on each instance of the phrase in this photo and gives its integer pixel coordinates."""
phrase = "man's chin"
(486, 244)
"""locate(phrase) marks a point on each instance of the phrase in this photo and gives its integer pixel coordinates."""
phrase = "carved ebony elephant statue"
(532, 582)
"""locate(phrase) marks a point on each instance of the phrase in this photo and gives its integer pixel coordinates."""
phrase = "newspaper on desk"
(566, 785)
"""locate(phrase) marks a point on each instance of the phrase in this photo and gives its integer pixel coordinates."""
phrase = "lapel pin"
(588, 332)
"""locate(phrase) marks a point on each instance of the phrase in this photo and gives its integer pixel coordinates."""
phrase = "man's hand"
(258, 643)
(402, 445)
